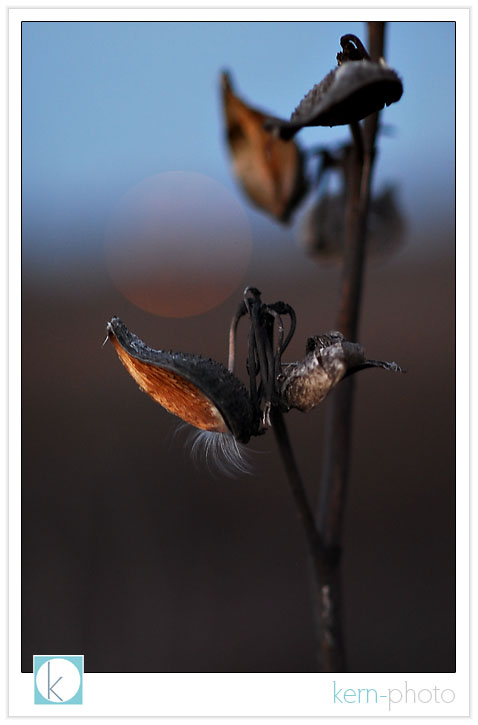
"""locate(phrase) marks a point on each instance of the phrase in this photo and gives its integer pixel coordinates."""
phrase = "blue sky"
(107, 105)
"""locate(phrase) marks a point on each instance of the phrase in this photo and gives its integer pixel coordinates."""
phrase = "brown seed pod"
(323, 226)
(270, 171)
(330, 358)
(200, 391)
(349, 93)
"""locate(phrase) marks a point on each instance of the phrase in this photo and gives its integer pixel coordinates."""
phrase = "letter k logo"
(50, 687)
(58, 679)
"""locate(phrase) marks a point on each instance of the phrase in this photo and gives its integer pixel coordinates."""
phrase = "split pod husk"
(200, 391)
(270, 171)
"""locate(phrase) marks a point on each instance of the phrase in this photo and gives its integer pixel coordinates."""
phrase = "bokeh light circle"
(178, 244)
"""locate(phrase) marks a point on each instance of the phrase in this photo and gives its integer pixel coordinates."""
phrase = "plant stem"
(295, 481)
(324, 531)
(337, 446)
(325, 572)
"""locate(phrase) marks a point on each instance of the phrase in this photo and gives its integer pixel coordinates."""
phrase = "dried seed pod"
(330, 358)
(270, 171)
(349, 93)
(201, 392)
(323, 227)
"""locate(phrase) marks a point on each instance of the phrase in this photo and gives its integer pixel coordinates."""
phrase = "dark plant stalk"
(324, 531)
(323, 560)
(340, 407)
(295, 481)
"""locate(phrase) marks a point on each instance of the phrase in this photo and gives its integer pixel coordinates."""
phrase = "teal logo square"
(58, 679)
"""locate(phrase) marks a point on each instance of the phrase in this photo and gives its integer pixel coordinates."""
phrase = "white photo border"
(243, 694)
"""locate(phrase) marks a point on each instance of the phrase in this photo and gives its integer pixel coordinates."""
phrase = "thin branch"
(324, 531)
(295, 481)
(326, 578)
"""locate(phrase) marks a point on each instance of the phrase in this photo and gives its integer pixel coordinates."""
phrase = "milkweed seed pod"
(349, 93)
(323, 227)
(199, 391)
(329, 358)
(270, 171)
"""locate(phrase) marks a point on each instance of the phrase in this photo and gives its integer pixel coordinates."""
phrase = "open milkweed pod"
(349, 93)
(270, 171)
(200, 391)
(330, 358)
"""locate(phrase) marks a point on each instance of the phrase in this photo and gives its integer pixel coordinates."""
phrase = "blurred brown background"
(143, 562)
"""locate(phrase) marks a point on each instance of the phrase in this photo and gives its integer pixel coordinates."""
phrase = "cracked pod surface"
(200, 391)
(329, 359)
(355, 89)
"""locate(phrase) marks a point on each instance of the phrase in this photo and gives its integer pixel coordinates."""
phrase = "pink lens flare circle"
(178, 244)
